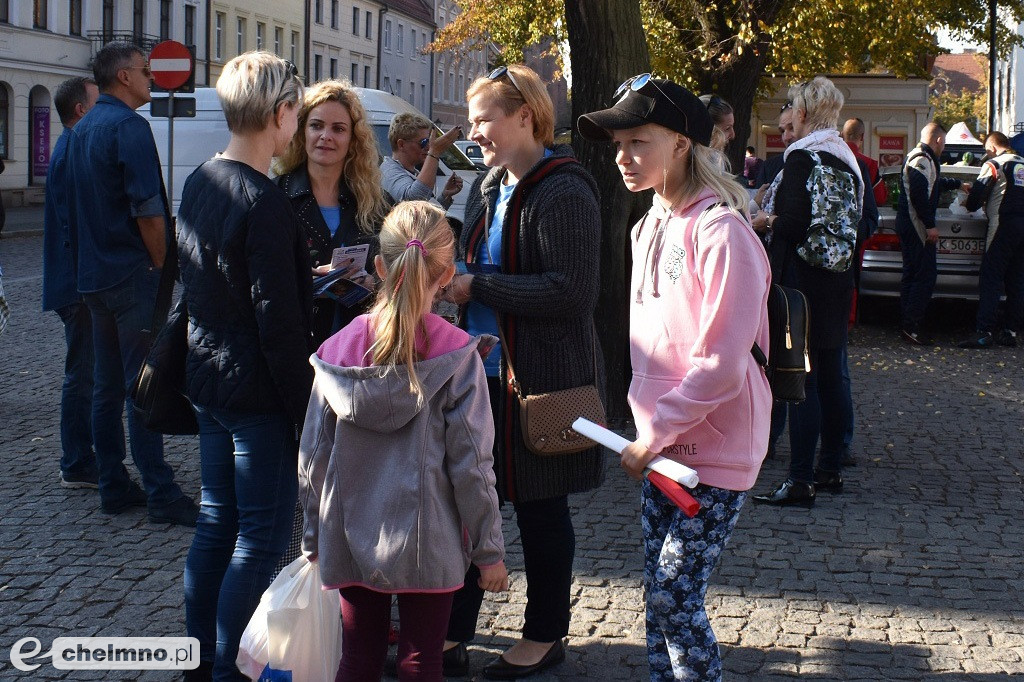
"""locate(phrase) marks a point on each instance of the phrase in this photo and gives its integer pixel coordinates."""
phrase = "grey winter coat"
(399, 496)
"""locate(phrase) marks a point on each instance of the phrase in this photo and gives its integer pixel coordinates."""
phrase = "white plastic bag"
(295, 633)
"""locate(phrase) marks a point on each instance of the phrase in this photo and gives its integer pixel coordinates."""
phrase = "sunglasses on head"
(786, 106)
(503, 71)
(291, 69)
(644, 84)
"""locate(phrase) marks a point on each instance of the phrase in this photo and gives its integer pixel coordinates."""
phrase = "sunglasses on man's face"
(145, 70)
(644, 84)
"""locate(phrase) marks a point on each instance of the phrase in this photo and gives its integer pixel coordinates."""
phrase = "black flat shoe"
(789, 492)
(828, 482)
(500, 669)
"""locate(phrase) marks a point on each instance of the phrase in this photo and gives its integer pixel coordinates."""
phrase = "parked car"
(473, 153)
(198, 138)
(960, 248)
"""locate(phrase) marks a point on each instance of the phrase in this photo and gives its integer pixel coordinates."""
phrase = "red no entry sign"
(171, 64)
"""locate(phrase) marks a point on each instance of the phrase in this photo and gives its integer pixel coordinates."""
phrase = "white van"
(197, 139)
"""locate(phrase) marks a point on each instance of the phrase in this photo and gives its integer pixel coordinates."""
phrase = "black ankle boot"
(789, 492)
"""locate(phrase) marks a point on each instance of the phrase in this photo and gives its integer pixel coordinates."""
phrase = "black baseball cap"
(650, 100)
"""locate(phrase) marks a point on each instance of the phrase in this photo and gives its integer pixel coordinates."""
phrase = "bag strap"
(513, 382)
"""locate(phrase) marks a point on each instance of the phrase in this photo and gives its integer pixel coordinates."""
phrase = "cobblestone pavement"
(913, 573)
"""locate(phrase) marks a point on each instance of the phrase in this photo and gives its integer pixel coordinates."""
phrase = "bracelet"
(434, 156)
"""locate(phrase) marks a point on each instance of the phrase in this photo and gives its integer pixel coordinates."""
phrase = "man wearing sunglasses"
(410, 173)
(118, 216)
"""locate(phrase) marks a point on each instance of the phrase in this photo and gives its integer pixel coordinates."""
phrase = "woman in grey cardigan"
(531, 241)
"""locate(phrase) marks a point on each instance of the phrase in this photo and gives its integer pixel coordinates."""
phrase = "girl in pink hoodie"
(698, 300)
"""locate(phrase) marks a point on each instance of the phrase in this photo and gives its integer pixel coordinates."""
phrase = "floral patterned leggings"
(680, 554)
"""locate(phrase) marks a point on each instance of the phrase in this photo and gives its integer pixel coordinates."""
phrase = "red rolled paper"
(674, 492)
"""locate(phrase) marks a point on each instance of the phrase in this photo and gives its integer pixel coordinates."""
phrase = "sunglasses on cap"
(503, 71)
(645, 81)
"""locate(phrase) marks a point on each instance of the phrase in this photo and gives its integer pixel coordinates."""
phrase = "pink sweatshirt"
(699, 295)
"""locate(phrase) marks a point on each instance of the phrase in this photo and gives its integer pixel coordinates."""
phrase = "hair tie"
(418, 244)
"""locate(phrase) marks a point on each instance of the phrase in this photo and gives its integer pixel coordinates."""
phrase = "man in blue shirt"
(74, 97)
(117, 211)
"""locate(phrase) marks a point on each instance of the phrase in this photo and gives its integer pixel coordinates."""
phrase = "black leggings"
(549, 543)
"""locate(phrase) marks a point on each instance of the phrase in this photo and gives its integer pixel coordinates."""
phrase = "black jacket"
(829, 294)
(546, 295)
(328, 317)
(246, 275)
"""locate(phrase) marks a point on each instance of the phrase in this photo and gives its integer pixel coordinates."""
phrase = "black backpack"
(787, 363)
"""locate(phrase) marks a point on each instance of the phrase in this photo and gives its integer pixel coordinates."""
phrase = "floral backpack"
(831, 240)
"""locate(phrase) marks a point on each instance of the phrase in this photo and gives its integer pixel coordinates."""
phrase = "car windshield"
(891, 177)
(453, 158)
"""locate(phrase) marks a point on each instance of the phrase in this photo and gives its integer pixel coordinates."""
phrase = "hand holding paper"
(679, 473)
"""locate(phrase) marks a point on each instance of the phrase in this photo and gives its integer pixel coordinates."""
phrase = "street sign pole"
(172, 66)
(170, 150)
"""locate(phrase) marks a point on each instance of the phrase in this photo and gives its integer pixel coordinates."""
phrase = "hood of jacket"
(377, 399)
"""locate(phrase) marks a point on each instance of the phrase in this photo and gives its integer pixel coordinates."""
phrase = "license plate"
(962, 247)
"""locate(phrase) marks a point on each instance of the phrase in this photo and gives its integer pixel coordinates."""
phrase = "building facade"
(894, 111)
(1010, 91)
(237, 27)
(44, 42)
(343, 40)
(453, 74)
(406, 69)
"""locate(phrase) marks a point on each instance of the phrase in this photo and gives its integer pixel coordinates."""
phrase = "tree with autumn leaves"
(729, 47)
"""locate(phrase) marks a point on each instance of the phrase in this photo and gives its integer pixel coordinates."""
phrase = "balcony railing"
(145, 41)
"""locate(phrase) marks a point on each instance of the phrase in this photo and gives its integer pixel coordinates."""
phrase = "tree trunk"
(607, 45)
(738, 86)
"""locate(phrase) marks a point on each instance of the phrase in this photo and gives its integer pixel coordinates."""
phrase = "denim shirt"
(60, 283)
(114, 177)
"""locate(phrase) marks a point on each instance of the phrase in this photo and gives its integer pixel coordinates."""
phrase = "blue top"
(113, 177)
(332, 216)
(480, 319)
(60, 281)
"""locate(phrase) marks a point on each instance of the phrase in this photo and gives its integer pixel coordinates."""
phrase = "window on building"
(423, 96)
(240, 36)
(412, 42)
(412, 93)
(218, 36)
(354, 77)
(400, 37)
(355, 21)
(108, 19)
(39, 13)
(190, 24)
(398, 87)
(165, 19)
(318, 11)
(438, 85)
(278, 39)
(138, 17)
(261, 35)
(74, 16)
(449, 86)
(386, 87)
(366, 77)
(5, 113)
(460, 93)
(333, 68)
(369, 24)
(387, 34)
(5, 10)
(295, 48)
(423, 45)
(334, 14)
(318, 67)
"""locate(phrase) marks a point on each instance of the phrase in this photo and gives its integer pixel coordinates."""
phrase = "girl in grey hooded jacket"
(395, 465)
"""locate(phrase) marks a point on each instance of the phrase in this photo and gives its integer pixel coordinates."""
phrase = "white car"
(199, 138)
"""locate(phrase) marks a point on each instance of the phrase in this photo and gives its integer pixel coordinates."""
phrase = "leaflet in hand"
(679, 473)
(342, 283)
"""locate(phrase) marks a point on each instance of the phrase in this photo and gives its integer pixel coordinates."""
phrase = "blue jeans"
(249, 467)
(1003, 265)
(918, 279)
(121, 317)
(822, 414)
(77, 458)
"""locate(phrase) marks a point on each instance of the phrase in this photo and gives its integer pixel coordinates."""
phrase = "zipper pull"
(807, 361)
(789, 339)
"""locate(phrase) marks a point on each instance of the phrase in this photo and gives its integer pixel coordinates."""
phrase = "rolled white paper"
(679, 473)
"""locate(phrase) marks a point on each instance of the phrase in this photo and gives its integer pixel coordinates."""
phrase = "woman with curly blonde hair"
(330, 173)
